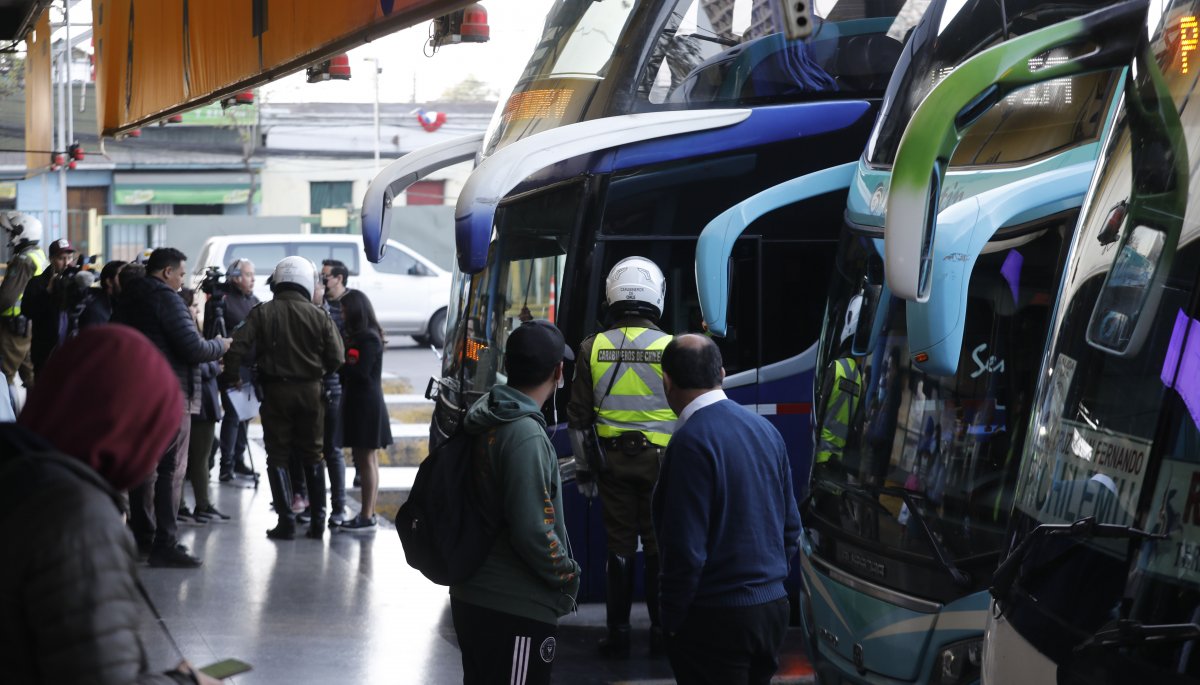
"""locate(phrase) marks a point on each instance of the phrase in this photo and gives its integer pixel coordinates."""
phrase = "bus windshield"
(525, 262)
(1065, 111)
(921, 480)
(599, 59)
(1114, 429)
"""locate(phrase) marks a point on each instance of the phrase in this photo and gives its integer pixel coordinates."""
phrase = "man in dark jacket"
(70, 610)
(152, 305)
(506, 615)
(224, 311)
(99, 307)
(45, 305)
(726, 474)
(331, 392)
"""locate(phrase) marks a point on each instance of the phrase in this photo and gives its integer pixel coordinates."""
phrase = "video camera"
(75, 290)
(78, 278)
(213, 277)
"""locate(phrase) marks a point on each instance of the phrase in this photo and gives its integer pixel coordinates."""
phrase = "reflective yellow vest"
(839, 409)
(636, 401)
(39, 265)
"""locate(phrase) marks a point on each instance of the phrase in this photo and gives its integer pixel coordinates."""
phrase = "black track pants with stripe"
(503, 649)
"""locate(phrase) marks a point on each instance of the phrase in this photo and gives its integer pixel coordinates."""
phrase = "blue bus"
(1099, 583)
(909, 497)
(634, 125)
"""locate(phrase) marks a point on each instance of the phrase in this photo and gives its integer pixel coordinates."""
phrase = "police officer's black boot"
(657, 642)
(281, 497)
(619, 601)
(314, 474)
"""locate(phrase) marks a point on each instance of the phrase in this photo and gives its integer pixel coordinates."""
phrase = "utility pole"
(70, 94)
(61, 133)
(375, 62)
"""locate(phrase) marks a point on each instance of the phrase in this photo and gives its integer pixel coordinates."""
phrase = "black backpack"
(448, 523)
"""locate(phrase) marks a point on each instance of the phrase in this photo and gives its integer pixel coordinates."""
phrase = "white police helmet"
(850, 323)
(636, 280)
(20, 227)
(297, 271)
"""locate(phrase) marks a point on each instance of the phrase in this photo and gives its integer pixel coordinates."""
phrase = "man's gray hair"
(235, 268)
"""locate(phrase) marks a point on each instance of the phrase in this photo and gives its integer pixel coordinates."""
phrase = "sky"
(515, 25)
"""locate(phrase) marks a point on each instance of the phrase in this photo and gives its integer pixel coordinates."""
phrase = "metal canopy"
(173, 55)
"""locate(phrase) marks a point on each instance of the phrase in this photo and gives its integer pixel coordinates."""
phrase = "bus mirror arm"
(390, 183)
(939, 123)
(716, 241)
(1086, 527)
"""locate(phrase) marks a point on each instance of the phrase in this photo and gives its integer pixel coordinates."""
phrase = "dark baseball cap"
(536, 344)
(60, 246)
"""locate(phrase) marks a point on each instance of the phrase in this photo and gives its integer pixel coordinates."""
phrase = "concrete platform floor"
(345, 609)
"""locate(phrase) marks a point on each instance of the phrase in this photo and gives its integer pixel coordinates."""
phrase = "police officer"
(296, 344)
(28, 260)
(620, 422)
(840, 394)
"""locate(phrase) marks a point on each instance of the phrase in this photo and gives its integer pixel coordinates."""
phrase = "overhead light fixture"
(335, 68)
(467, 25)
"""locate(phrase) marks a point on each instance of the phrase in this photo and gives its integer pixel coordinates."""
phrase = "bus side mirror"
(716, 241)
(1110, 36)
(1133, 287)
(936, 326)
(396, 177)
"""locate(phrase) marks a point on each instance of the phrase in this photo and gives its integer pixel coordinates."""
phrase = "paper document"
(244, 402)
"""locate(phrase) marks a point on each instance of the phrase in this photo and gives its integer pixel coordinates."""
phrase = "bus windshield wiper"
(910, 500)
(1086, 527)
(1127, 633)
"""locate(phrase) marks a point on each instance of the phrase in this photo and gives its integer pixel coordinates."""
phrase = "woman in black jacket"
(204, 428)
(70, 609)
(366, 425)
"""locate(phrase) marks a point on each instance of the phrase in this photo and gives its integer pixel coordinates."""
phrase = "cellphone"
(225, 669)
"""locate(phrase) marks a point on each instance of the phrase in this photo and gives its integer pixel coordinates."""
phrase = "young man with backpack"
(506, 614)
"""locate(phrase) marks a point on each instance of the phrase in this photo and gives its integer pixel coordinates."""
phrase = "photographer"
(45, 304)
(227, 307)
(98, 306)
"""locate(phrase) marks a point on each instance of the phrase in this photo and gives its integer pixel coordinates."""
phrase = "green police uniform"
(296, 343)
(15, 333)
(841, 402)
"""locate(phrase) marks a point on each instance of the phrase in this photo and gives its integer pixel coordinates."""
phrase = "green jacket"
(529, 571)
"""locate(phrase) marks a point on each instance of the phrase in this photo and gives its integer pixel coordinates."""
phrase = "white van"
(408, 291)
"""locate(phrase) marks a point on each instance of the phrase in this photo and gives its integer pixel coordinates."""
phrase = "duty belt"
(631, 443)
(268, 378)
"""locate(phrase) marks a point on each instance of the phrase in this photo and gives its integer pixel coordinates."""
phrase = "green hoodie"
(529, 571)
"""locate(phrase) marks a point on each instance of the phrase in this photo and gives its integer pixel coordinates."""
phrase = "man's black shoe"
(242, 469)
(616, 645)
(210, 513)
(173, 557)
(225, 476)
(658, 642)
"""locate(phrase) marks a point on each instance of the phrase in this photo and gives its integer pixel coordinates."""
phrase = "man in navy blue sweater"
(727, 527)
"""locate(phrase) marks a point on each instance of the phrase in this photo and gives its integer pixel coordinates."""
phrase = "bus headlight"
(958, 663)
